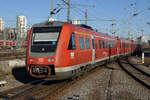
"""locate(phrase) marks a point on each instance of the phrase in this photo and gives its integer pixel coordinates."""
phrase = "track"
(36, 90)
(10, 55)
(42, 89)
(139, 75)
(18, 90)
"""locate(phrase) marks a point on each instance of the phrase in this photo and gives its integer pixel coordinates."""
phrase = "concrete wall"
(7, 66)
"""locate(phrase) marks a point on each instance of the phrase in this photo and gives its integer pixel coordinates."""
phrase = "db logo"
(105, 53)
(41, 59)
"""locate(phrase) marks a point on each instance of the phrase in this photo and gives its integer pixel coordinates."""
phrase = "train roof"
(125, 40)
(95, 33)
(82, 26)
(49, 24)
(85, 26)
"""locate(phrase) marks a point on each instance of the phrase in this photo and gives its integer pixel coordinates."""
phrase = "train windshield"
(44, 39)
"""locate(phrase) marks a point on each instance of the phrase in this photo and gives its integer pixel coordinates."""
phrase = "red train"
(61, 50)
(11, 44)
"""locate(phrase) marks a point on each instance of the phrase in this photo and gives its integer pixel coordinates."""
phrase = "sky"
(102, 11)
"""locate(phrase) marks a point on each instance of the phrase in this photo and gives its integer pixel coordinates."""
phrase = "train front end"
(42, 43)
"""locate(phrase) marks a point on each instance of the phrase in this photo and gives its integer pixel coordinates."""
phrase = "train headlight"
(49, 60)
(53, 60)
(32, 60)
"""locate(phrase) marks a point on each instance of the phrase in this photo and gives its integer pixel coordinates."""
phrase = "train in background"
(9, 44)
(60, 50)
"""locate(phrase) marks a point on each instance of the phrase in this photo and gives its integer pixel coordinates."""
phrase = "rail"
(10, 93)
(132, 70)
(43, 89)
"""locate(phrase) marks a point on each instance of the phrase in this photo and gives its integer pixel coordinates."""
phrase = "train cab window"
(44, 39)
(99, 43)
(87, 43)
(81, 42)
(72, 42)
(103, 44)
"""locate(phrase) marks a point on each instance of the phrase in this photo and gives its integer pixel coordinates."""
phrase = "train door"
(118, 47)
(93, 49)
(109, 47)
(124, 47)
(132, 46)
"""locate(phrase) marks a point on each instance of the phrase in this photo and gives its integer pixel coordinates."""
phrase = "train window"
(72, 42)
(87, 43)
(103, 44)
(110, 45)
(81, 42)
(106, 44)
(93, 44)
(123, 45)
(99, 43)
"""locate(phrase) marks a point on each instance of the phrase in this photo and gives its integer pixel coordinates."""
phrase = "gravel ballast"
(110, 83)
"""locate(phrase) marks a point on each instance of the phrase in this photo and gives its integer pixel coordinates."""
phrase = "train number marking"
(41, 60)
(105, 53)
